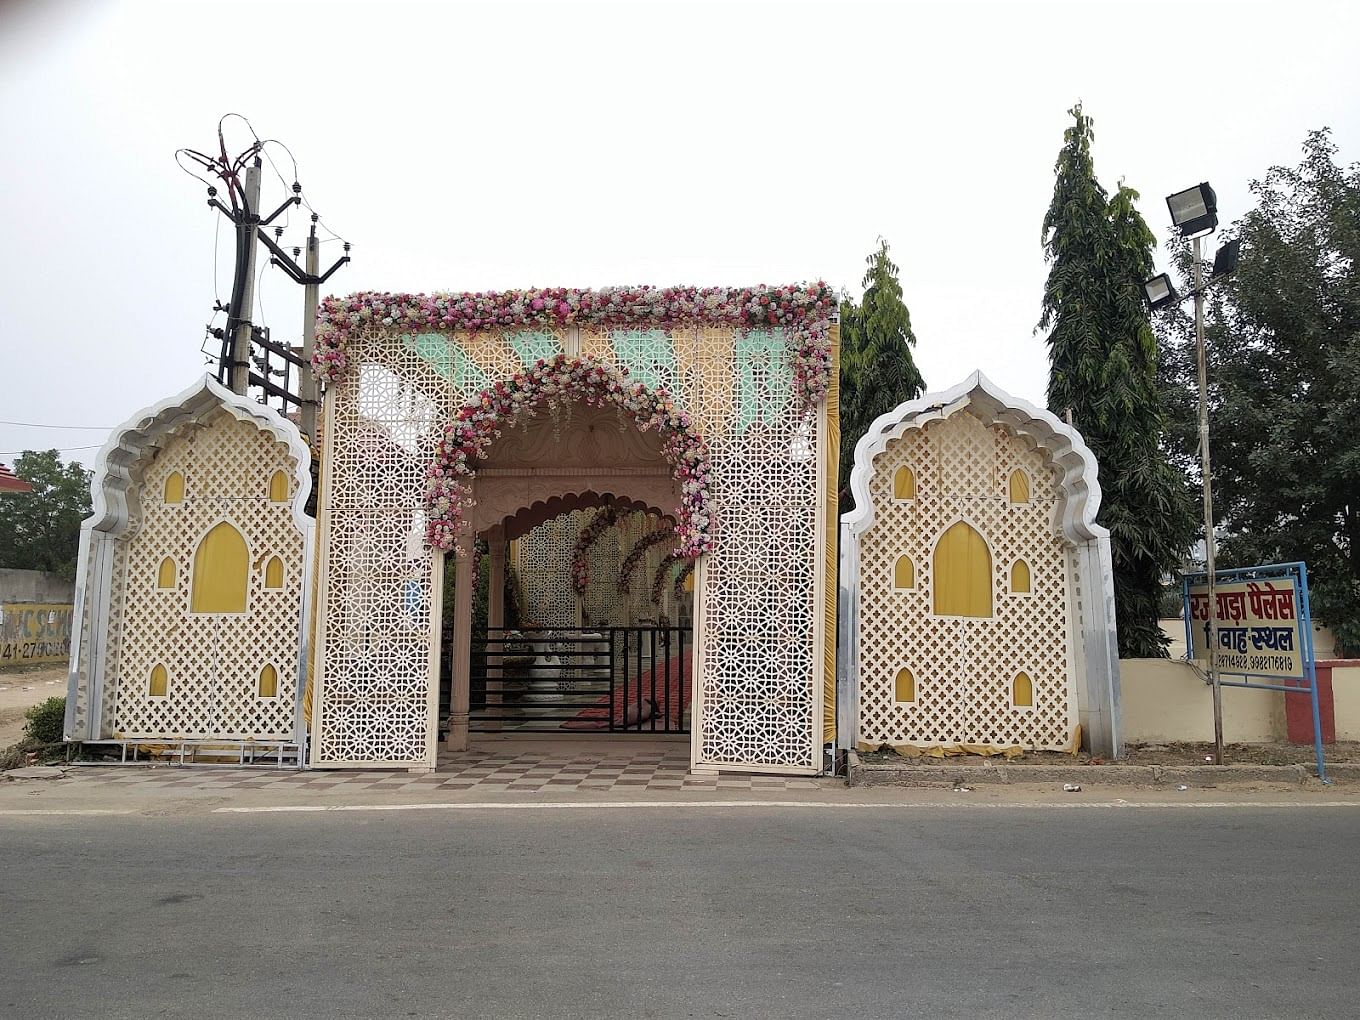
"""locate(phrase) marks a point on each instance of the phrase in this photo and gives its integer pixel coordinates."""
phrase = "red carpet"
(671, 693)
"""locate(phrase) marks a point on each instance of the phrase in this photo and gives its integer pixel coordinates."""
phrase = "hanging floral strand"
(662, 574)
(685, 572)
(639, 550)
(580, 556)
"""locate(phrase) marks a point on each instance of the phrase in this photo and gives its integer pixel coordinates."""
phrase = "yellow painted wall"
(1163, 700)
(1346, 701)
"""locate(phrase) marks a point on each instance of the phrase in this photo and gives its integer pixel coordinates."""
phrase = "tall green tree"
(877, 370)
(1103, 372)
(1283, 342)
(40, 530)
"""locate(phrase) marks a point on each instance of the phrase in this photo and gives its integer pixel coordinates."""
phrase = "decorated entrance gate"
(747, 372)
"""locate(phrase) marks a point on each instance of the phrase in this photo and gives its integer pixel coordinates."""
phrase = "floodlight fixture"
(1159, 291)
(1225, 259)
(1194, 211)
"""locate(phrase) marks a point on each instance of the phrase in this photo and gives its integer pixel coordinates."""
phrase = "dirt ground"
(21, 689)
(1277, 753)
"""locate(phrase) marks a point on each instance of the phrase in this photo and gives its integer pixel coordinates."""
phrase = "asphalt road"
(732, 912)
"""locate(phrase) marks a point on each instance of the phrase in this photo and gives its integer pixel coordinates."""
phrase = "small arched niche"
(278, 487)
(904, 686)
(221, 572)
(158, 684)
(174, 488)
(1018, 486)
(904, 483)
(165, 573)
(904, 574)
(273, 573)
(1022, 691)
(269, 682)
(1020, 578)
(962, 573)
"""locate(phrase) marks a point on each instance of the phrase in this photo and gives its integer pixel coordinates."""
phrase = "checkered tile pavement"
(511, 771)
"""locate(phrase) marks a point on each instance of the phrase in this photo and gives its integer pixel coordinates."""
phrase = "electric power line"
(44, 425)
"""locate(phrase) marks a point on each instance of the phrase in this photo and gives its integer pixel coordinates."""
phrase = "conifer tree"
(877, 370)
(1103, 372)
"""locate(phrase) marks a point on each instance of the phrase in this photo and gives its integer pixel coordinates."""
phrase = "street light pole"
(1212, 649)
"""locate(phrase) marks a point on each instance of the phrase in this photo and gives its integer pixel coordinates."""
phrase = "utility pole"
(243, 307)
(307, 388)
(1212, 627)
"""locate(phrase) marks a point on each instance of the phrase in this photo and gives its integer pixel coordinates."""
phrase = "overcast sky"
(462, 146)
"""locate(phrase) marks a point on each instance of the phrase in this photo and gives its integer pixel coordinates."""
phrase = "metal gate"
(576, 680)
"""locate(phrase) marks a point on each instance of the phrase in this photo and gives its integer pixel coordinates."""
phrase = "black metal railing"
(587, 680)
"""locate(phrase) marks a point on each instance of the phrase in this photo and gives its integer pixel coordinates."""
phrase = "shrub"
(46, 722)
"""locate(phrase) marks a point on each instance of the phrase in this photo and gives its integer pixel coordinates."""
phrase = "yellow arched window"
(159, 685)
(221, 572)
(962, 573)
(1022, 691)
(904, 574)
(273, 573)
(165, 575)
(904, 483)
(278, 487)
(905, 687)
(1020, 577)
(269, 682)
(1019, 486)
(174, 488)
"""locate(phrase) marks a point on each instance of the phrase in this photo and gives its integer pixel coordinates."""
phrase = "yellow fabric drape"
(221, 572)
(1019, 486)
(962, 574)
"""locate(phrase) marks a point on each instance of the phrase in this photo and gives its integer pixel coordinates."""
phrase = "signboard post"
(1256, 624)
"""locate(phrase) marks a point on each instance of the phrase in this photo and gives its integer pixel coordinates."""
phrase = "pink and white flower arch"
(466, 441)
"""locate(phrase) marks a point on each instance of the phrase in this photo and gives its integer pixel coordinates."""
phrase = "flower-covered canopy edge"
(804, 311)
(478, 424)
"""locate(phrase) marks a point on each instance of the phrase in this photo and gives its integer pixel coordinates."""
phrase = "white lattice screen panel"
(761, 680)
(545, 570)
(964, 667)
(212, 662)
(378, 576)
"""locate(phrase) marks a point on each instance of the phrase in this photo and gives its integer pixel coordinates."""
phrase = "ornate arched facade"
(1006, 637)
(190, 583)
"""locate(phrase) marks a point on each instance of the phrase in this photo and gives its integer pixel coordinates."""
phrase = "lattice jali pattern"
(761, 680)
(964, 667)
(544, 569)
(212, 662)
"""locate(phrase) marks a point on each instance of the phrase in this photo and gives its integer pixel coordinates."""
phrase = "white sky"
(463, 146)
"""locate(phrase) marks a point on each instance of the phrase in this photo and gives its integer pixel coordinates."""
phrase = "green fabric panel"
(764, 377)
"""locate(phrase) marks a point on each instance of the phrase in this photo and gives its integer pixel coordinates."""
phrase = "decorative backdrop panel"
(758, 642)
(963, 669)
(212, 662)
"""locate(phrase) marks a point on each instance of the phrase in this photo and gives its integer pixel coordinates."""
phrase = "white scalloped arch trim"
(1040, 429)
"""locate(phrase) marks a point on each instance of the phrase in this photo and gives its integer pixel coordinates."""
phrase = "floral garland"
(639, 550)
(560, 379)
(580, 556)
(803, 310)
(679, 590)
(663, 568)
